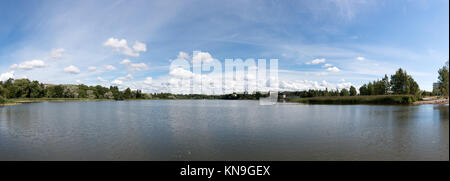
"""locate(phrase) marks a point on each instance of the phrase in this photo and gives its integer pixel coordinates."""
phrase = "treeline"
(399, 83)
(24, 88)
(321, 93)
(233, 96)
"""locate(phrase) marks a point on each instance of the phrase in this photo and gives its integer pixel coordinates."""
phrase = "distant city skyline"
(319, 44)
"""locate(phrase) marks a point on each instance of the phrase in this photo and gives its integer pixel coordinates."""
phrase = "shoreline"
(437, 101)
(348, 100)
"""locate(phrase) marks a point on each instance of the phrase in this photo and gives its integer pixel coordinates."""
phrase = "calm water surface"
(222, 130)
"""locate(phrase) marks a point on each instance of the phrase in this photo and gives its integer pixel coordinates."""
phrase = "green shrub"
(3, 100)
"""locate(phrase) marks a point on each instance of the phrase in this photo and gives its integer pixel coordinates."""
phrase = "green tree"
(400, 82)
(36, 90)
(127, 93)
(56, 91)
(444, 80)
(370, 89)
(413, 86)
(344, 92)
(352, 91)
(82, 91)
(363, 90)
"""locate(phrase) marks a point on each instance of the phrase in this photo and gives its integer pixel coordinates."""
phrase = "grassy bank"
(380, 99)
(8, 102)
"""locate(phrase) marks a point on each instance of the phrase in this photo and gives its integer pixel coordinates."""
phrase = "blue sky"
(319, 44)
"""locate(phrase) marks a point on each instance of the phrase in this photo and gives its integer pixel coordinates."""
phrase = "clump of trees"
(400, 83)
(24, 88)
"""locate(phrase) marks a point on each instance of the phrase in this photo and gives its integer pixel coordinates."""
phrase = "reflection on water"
(222, 130)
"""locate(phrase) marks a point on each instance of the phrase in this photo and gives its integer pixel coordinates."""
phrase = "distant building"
(436, 87)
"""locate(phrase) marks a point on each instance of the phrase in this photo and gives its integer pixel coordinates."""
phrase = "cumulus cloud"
(28, 65)
(333, 69)
(360, 58)
(316, 61)
(299, 85)
(110, 67)
(133, 67)
(139, 47)
(72, 69)
(56, 53)
(122, 46)
(181, 73)
(327, 65)
(6, 75)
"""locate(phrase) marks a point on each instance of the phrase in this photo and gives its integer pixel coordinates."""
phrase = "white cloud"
(132, 67)
(72, 69)
(139, 47)
(344, 85)
(128, 77)
(78, 81)
(117, 82)
(28, 65)
(6, 75)
(316, 61)
(328, 65)
(333, 69)
(137, 67)
(92, 68)
(360, 58)
(110, 67)
(183, 55)
(148, 81)
(56, 53)
(122, 46)
(202, 57)
(181, 73)
(101, 79)
(125, 61)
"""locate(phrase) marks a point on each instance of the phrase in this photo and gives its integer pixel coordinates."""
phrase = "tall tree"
(352, 91)
(400, 82)
(127, 93)
(444, 80)
(363, 90)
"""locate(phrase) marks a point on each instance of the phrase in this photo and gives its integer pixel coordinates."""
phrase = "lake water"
(221, 130)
